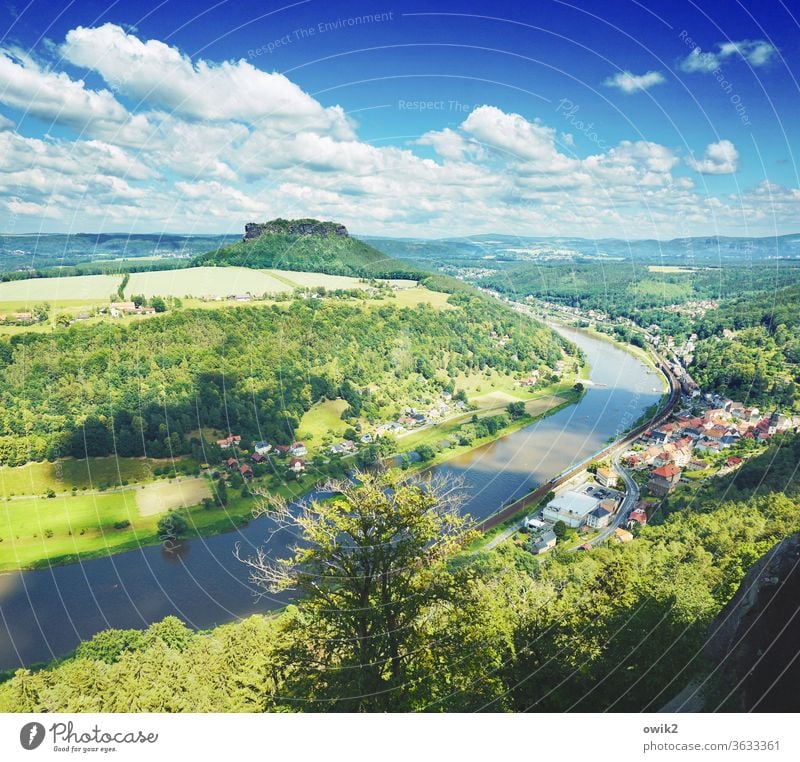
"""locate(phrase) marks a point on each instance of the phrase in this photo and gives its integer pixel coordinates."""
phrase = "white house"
(598, 518)
(569, 507)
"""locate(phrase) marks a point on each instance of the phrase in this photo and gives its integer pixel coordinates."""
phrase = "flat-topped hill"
(307, 244)
(293, 227)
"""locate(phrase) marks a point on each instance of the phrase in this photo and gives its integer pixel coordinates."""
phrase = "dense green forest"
(418, 625)
(147, 387)
(760, 362)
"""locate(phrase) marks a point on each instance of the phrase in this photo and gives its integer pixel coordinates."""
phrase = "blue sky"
(625, 118)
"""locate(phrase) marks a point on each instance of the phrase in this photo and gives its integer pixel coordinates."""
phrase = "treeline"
(148, 387)
(619, 628)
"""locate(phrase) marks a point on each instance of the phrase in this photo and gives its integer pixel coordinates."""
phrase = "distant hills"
(310, 244)
(483, 250)
(40, 251)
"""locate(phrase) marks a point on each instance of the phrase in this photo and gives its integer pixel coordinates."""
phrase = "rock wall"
(254, 230)
(755, 639)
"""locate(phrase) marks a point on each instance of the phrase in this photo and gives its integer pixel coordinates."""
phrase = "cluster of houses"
(295, 451)
(678, 444)
(413, 418)
(120, 309)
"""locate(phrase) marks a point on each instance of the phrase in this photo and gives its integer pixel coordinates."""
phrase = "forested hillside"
(332, 254)
(146, 387)
(750, 349)
(615, 629)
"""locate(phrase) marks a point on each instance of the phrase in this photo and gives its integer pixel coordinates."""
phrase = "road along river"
(47, 612)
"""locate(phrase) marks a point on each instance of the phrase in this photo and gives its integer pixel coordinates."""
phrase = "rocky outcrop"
(756, 637)
(254, 230)
(753, 644)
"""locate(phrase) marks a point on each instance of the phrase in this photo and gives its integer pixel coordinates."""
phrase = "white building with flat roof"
(570, 507)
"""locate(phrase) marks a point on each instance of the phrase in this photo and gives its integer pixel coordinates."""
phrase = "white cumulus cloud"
(633, 83)
(756, 52)
(720, 158)
(162, 76)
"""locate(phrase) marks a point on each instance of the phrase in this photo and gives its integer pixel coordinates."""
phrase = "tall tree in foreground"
(368, 565)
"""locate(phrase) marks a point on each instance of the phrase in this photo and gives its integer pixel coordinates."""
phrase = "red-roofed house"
(663, 479)
(246, 471)
(638, 515)
(231, 463)
(297, 465)
(229, 441)
(733, 462)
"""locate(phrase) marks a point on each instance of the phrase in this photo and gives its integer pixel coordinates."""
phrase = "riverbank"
(47, 612)
(40, 532)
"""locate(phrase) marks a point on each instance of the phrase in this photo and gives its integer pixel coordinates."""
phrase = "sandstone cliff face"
(751, 660)
(254, 230)
(756, 637)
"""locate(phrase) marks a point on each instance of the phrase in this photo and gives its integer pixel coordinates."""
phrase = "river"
(45, 613)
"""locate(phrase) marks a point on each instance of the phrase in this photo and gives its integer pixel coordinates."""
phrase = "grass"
(411, 297)
(160, 497)
(204, 281)
(321, 419)
(58, 291)
(62, 476)
(37, 531)
(73, 523)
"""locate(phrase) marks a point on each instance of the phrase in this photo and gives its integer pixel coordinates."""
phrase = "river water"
(47, 612)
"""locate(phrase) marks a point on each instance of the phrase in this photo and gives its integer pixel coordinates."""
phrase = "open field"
(411, 297)
(320, 419)
(74, 292)
(37, 528)
(159, 497)
(205, 281)
(670, 269)
(63, 475)
(315, 280)
(79, 289)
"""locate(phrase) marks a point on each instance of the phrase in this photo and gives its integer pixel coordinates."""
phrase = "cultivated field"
(160, 497)
(81, 288)
(63, 475)
(317, 280)
(205, 281)
(75, 292)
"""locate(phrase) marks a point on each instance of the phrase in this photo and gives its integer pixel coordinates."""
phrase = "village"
(294, 456)
(707, 436)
